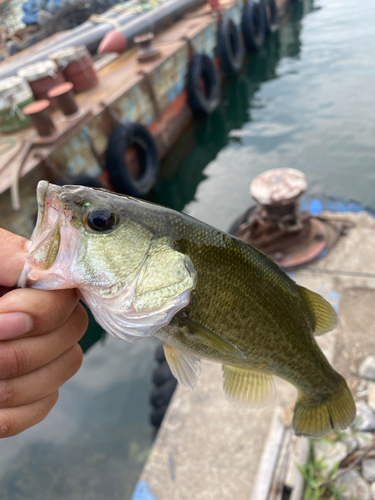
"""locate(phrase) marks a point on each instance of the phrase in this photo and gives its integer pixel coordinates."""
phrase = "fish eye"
(101, 219)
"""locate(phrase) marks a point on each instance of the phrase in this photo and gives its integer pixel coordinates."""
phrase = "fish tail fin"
(316, 420)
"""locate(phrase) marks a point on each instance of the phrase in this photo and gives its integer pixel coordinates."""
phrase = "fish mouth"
(46, 237)
(49, 210)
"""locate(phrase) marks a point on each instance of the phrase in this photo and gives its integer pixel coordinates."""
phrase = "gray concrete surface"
(209, 448)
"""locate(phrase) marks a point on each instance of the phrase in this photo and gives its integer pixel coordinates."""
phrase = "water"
(305, 101)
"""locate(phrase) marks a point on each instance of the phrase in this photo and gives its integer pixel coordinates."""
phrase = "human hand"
(39, 331)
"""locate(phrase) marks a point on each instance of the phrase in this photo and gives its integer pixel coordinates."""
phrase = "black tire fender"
(81, 180)
(230, 47)
(253, 27)
(161, 395)
(157, 415)
(270, 15)
(203, 85)
(164, 385)
(138, 139)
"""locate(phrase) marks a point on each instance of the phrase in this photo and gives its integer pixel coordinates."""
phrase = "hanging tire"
(132, 159)
(164, 385)
(81, 180)
(253, 27)
(203, 85)
(270, 15)
(230, 47)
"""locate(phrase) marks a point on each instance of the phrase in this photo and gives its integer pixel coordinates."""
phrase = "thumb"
(13, 251)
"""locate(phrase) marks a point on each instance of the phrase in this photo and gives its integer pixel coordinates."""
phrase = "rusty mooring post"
(147, 51)
(278, 192)
(39, 114)
(277, 226)
(64, 97)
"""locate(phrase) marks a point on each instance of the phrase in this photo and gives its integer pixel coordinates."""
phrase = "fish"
(148, 271)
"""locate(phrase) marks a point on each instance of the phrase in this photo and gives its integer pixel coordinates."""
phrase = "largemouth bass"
(145, 270)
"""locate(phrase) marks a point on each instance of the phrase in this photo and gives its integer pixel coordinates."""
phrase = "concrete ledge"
(209, 448)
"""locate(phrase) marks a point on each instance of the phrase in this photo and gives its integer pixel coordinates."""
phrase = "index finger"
(13, 251)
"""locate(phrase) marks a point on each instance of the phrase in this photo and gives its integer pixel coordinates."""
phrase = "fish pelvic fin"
(184, 366)
(325, 316)
(249, 386)
(317, 420)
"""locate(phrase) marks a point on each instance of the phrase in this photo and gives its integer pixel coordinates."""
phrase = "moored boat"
(136, 106)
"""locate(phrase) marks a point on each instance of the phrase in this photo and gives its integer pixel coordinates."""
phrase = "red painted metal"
(215, 4)
(114, 41)
(64, 98)
(36, 107)
(77, 66)
(172, 122)
(38, 112)
(81, 73)
(41, 87)
(306, 250)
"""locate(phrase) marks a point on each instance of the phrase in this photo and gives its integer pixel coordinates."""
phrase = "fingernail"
(14, 324)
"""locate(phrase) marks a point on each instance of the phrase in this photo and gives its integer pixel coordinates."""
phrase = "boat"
(130, 105)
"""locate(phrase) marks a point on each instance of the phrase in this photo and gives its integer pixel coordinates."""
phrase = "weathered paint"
(235, 13)
(205, 42)
(172, 122)
(168, 79)
(136, 105)
(76, 157)
(101, 127)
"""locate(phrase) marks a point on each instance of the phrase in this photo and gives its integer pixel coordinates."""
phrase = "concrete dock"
(209, 448)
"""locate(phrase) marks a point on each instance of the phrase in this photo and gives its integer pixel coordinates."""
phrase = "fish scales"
(247, 317)
(145, 270)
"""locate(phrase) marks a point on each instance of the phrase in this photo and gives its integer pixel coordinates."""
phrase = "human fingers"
(13, 251)
(34, 312)
(16, 420)
(42, 382)
(26, 354)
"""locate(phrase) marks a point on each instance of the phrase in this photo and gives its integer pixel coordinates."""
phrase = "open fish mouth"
(49, 212)
(46, 238)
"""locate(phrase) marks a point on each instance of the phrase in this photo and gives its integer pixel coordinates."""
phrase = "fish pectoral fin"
(250, 386)
(324, 315)
(184, 366)
(202, 335)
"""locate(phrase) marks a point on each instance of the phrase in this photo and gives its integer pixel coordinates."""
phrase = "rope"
(137, 9)
(122, 8)
(97, 18)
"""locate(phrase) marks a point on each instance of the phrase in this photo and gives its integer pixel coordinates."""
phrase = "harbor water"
(305, 101)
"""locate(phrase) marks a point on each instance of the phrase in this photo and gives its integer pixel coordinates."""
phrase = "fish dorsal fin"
(184, 366)
(248, 386)
(325, 316)
(202, 335)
